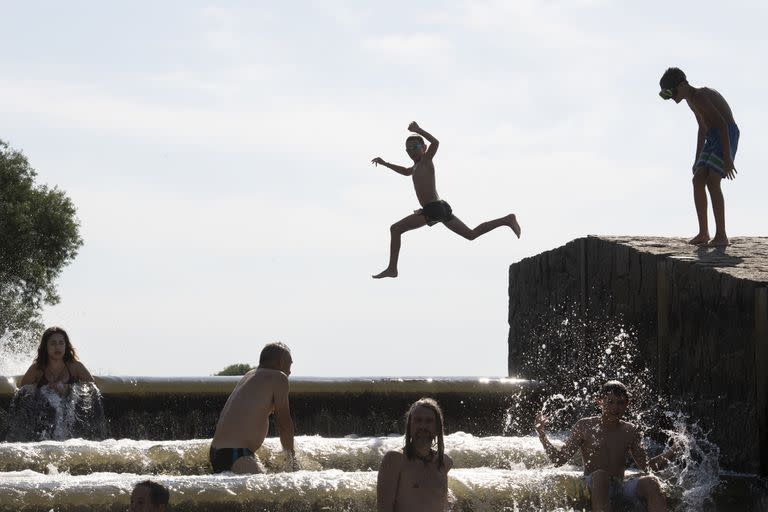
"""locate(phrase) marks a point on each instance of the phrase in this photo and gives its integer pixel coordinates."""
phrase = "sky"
(219, 156)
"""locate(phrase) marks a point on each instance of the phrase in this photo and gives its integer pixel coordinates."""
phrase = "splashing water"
(575, 356)
(41, 413)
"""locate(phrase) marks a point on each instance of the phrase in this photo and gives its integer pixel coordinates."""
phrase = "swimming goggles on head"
(668, 94)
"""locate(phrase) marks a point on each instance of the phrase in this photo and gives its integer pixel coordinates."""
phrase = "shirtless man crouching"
(244, 422)
(416, 478)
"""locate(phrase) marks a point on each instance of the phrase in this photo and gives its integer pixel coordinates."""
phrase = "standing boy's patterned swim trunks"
(712, 154)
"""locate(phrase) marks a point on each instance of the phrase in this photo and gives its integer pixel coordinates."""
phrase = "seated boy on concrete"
(604, 442)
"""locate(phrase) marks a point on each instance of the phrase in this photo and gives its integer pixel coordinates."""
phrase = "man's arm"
(387, 481)
(405, 171)
(283, 419)
(433, 142)
(558, 456)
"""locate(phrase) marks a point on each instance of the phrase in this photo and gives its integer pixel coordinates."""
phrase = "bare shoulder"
(630, 428)
(393, 460)
(448, 461)
(587, 423)
(32, 375)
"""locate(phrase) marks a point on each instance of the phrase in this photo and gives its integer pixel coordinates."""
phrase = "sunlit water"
(505, 474)
(490, 473)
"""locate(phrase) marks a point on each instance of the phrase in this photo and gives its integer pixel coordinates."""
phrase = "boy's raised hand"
(413, 127)
(378, 160)
(540, 423)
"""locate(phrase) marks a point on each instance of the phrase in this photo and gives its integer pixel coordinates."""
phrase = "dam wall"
(174, 408)
(699, 316)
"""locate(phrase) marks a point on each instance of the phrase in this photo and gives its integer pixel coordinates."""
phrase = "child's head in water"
(613, 399)
(149, 496)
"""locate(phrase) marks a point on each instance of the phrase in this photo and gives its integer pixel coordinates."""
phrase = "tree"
(236, 369)
(39, 236)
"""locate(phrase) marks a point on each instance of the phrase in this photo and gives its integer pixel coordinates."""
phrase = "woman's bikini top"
(72, 379)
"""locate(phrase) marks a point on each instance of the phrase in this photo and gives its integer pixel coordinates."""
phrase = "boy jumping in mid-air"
(715, 149)
(433, 209)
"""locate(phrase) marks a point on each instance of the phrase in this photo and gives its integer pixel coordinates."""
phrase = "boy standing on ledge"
(716, 146)
(433, 209)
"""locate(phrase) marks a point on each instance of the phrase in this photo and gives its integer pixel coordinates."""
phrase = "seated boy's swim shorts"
(712, 154)
(620, 492)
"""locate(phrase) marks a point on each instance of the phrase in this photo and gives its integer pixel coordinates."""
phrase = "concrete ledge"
(110, 385)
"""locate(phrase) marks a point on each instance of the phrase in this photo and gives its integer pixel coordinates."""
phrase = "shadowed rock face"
(699, 316)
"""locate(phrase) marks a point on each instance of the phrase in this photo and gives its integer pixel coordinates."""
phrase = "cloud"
(396, 46)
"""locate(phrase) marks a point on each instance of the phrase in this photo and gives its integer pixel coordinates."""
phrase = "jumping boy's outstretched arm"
(559, 456)
(405, 171)
(433, 142)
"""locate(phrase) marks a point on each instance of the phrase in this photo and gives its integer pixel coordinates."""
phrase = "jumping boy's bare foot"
(699, 239)
(719, 241)
(387, 272)
(513, 224)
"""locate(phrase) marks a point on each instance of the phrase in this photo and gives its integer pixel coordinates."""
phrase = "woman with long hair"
(56, 364)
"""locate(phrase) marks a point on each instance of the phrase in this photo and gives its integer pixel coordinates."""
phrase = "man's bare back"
(244, 421)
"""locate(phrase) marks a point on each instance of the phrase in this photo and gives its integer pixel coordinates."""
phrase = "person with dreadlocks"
(416, 478)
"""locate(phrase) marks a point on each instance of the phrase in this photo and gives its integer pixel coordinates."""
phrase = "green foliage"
(236, 369)
(39, 236)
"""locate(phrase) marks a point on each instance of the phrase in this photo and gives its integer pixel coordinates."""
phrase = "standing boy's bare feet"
(513, 224)
(719, 241)
(387, 272)
(699, 239)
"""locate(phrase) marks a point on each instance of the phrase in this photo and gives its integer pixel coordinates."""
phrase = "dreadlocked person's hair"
(430, 404)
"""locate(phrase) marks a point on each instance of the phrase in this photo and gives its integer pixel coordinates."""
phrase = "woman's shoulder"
(79, 370)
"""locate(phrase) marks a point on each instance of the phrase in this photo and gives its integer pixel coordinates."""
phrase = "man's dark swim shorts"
(437, 211)
(223, 458)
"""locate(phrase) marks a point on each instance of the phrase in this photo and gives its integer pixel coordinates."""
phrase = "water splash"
(591, 351)
(40, 413)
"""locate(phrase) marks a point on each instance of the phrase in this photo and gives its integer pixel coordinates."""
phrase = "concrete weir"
(166, 408)
(700, 316)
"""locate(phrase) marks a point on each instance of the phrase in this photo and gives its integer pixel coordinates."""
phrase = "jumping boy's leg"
(718, 207)
(700, 200)
(462, 229)
(413, 221)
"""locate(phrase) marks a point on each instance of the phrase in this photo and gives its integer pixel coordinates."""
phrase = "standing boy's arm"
(562, 455)
(699, 139)
(716, 120)
(433, 142)
(405, 171)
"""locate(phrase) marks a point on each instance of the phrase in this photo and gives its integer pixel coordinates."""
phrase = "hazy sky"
(219, 157)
